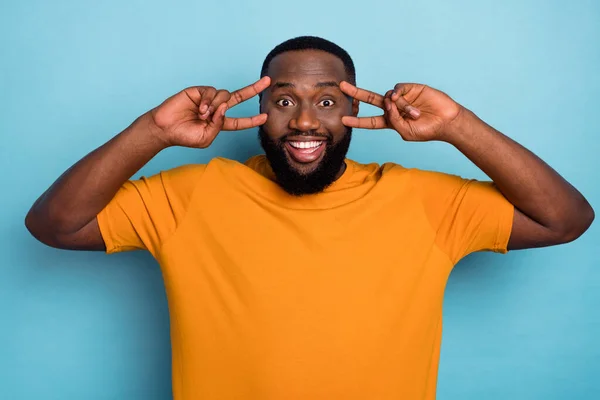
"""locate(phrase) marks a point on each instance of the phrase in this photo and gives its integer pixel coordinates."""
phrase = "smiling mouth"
(305, 151)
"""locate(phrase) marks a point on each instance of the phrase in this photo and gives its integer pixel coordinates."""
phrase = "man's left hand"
(417, 112)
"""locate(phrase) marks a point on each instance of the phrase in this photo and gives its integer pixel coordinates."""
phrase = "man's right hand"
(65, 215)
(195, 116)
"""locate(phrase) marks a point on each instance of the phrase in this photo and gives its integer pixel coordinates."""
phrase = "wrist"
(152, 131)
(460, 127)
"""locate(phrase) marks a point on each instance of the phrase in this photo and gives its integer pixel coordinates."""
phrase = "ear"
(355, 107)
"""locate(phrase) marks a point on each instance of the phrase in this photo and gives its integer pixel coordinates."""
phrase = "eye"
(284, 103)
(327, 103)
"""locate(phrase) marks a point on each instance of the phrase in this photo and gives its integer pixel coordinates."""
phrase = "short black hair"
(312, 43)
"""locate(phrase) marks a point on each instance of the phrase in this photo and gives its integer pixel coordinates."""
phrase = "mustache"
(291, 135)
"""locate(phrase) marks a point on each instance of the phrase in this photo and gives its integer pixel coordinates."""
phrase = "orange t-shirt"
(336, 295)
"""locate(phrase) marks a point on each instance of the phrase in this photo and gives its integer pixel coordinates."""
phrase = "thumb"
(218, 119)
(208, 132)
(396, 120)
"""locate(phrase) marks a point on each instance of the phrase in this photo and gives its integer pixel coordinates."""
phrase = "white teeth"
(305, 145)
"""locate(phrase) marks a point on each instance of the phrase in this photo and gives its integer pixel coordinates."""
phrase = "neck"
(341, 171)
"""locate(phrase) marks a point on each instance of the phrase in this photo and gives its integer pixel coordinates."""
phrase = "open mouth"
(305, 151)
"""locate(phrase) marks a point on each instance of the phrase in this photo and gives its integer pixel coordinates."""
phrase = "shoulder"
(184, 177)
(440, 189)
(180, 180)
(374, 170)
(395, 169)
(430, 186)
(414, 176)
(189, 173)
(426, 180)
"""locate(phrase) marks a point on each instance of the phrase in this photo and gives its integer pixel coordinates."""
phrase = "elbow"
(39, 230)
(30, 224)
(578, 223)
(34, 227)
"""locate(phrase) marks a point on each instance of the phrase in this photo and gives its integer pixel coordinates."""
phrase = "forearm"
(524, 179)
(82, 191)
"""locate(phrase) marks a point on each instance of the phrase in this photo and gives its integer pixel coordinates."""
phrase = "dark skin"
(549, 210)
(305, 96)
(65, 215)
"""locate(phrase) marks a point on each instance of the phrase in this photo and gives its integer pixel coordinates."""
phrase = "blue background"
(82, 325)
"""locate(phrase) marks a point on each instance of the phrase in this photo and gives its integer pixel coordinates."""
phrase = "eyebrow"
(278, 85)
(327, 84)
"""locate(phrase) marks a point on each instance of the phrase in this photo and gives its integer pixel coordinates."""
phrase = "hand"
(194, 116)
(416, 112)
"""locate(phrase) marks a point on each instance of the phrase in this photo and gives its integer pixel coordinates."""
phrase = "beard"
(296, 182)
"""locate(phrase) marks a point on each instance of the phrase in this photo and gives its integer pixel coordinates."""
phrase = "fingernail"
(203, 108)
(413, 112)
(388, 105)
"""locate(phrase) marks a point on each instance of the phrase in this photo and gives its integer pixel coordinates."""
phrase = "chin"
(301, 178)
(303, 169)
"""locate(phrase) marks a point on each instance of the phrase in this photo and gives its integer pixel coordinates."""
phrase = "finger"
(388, 95)
(249, 91)
(214, 126)
(403, 88)
(238, 124)
(221, 97)
(377, 122)
(396, 120)
(218, 117)
(366, 96)
(207, 97)
(403, 105)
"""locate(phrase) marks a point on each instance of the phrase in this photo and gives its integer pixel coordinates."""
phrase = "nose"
(305, 120)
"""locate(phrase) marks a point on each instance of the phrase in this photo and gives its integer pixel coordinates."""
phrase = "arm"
(65, 215)
(548, 209)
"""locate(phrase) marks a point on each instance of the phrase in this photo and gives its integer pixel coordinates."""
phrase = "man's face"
(304, 138)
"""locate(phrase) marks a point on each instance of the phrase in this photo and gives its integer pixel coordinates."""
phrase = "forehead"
(306, 66)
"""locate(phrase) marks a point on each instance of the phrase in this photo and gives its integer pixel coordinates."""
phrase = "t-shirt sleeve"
(144, 213)
(467, 215)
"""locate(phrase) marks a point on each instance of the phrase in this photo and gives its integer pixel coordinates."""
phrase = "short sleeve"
(467, 215)
(144, 213)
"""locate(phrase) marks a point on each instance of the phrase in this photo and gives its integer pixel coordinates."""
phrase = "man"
(302, 274)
